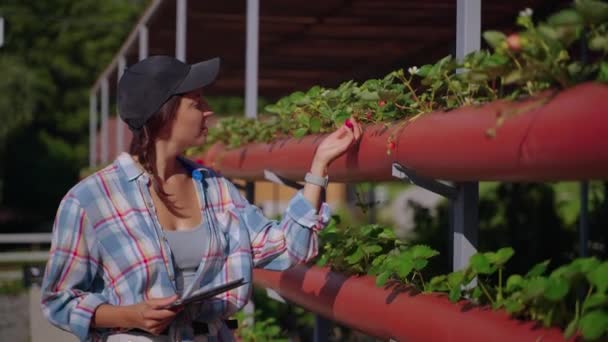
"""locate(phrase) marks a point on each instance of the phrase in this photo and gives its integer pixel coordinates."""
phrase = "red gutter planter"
(563, 139)
(387, 313)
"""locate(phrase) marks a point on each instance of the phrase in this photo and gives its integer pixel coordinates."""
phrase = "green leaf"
(423, 251)
(455, 279)
(424, 70)
(387, 234)
(556, 289)
(565, 17)
(594, 324)
(535, 288)
(477, 293)
(438, 283)
(455, 294)
(382, 278)
(273, 109)
(538, 269)
(405, 267)
(571, 329)
(323, 260)
(599, 277)
(513, 306)
(593, 11)
(303, 119)
(300, 132)
(372, 249)
(315, 124)
(355, 257)
(494, 38)
(419, 264)
(602, 76)
(369, 96)
(503, 255)
(515, 282)
(480, 264)
(513, 77)
(594, 301)
(496, 60)
(598, 43)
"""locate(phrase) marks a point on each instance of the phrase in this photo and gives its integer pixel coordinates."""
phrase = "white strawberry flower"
(413, 70)
(526, 12)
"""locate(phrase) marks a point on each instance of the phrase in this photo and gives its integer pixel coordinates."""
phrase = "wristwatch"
(316, 180)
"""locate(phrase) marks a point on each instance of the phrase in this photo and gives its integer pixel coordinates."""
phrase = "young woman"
(154, 226)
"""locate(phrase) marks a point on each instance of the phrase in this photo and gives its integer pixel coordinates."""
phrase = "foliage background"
(53, 51)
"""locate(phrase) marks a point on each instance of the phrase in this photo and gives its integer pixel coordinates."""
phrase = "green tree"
(54, 50)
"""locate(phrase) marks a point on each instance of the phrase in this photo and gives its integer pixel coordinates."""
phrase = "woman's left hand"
(338, 142)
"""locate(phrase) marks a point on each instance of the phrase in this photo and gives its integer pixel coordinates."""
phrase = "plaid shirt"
(108, 247)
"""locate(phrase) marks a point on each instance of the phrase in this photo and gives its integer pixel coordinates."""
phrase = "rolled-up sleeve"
(278, 245)
(67, 299)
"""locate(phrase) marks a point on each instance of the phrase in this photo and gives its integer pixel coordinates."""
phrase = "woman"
(154, 226)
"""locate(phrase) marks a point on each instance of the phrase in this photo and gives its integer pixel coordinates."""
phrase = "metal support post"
(463, 212)
(250, 191)
(181, 26)
(371, 199)
(583, 226)
(143, 42)
(322, 327)
(1, 31)
(105, 112)
(120, 136)
(465, 224)
(252, 51)
(93, 128)
(468, 27)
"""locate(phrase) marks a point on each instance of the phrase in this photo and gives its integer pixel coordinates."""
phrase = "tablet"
(200, 295)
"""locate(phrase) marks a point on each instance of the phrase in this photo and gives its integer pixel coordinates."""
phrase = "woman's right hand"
(150, 316)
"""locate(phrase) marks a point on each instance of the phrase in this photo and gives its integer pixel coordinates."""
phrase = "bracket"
(407, 174)
(275, 178)
(463, 199)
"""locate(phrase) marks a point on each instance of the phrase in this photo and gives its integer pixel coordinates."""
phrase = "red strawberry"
(349, 124)
(381, 103)
(200, 161)
(368, 115)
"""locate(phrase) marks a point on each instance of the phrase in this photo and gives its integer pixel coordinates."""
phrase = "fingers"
(158, 315)
(158, 303)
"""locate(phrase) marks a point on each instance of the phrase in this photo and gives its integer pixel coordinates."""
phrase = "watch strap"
(316, 180)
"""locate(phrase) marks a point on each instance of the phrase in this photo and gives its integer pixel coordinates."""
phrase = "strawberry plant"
(552, 299)
(543, 55)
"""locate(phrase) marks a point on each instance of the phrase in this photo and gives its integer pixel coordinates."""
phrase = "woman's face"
(189, 126)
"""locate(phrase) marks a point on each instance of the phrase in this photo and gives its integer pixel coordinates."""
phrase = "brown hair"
(142, 144)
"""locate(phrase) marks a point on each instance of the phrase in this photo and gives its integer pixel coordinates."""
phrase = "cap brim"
(201, 74)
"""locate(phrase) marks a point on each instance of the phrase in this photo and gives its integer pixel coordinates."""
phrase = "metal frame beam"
(105, 113)
(120, 125)
(93, 129)
(181, 27)
(251, 59)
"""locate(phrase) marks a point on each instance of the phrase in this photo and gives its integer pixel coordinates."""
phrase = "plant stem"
(500, 283)
(421, 280)
(485, 291)
(409, 86)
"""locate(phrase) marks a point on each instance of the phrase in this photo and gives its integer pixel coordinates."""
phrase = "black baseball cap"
(147, 85)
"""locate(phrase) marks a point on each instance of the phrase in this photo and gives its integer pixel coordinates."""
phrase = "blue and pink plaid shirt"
(108, 247)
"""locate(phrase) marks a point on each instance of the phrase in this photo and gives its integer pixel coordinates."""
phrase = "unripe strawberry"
(514, 42)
